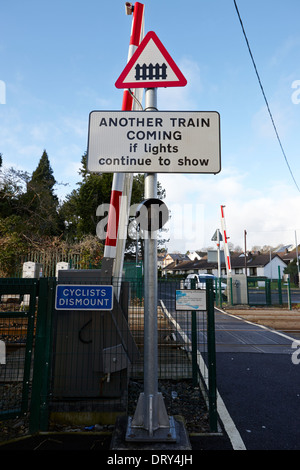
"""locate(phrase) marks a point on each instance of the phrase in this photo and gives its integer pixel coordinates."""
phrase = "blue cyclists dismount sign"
(83, 297)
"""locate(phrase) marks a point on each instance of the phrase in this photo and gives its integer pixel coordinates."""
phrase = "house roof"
(260, 259)
(283, 249)
(177, 256)
(290, 255)
(184, 265)
(237, 261)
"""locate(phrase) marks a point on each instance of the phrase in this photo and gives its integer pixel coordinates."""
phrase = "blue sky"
(59, 60)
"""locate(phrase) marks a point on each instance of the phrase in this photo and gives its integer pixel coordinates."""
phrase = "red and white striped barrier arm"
(119, 178)
(225, 240)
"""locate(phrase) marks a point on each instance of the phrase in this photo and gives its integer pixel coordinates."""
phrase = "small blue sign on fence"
(84, 297)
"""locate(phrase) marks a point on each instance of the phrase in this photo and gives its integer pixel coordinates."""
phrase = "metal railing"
(261, 291)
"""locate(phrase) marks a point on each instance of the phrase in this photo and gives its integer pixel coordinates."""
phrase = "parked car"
(200, 282)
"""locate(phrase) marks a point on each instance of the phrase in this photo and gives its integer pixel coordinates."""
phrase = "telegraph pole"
(297, 259)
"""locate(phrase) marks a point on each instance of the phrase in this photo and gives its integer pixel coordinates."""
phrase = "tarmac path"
(258, 382)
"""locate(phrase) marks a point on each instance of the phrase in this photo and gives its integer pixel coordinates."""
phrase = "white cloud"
(182, 98)
(269, 214)
(78, 127)
(269, 219)
(290, 44)
(282, 118)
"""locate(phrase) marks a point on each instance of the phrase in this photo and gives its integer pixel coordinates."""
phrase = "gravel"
(180, 398)
(13, 428)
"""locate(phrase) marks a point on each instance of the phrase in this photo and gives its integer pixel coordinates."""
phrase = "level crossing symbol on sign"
(151, 66)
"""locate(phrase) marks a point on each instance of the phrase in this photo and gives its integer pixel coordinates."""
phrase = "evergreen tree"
(11, 224)
(43, 174)
(79, 209)
(39, 203)
(292, 269)
(12, 184)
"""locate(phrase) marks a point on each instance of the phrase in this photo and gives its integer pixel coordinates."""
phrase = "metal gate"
(17, 323)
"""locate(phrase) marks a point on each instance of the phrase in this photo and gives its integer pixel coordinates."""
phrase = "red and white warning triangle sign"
(151, 66)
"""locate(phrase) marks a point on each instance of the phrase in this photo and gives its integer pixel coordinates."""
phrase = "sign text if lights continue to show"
(163, 142)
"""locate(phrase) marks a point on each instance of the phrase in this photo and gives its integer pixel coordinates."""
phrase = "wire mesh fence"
(256, 291)
(17, 324)
(90, 351)
(13, 338)
(80, 363)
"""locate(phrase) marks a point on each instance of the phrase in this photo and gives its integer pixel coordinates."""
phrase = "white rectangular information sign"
(190, 299)
(154, 142)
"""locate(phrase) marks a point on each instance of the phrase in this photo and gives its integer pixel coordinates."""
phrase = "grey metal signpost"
(151, 420)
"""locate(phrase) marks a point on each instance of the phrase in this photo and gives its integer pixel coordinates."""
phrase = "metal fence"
(73, 364)
(260, 291)
(17, 332)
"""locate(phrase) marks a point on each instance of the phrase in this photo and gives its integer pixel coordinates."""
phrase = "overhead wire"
(264, 95)
(135, 99)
